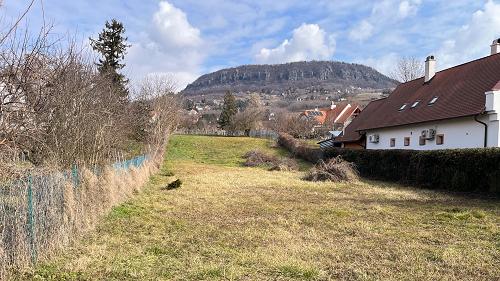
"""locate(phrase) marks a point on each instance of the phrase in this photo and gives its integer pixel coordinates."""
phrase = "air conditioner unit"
(432, 134)
(424, 134)
(429, 134)
(373, 138)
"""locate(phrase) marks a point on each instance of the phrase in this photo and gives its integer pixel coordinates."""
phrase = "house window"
(421, 141)
(415, 104)
(439, 139)
(433, 100)
(407, 141)
(393, 142)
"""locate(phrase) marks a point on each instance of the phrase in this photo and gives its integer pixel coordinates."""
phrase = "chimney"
(430, 68)
(333, 106)
(495, 47)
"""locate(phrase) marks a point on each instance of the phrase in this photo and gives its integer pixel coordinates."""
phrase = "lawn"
(229, 222)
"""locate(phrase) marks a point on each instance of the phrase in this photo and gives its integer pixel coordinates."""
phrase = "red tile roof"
(350, 133)
(329, 114)
(460, 91)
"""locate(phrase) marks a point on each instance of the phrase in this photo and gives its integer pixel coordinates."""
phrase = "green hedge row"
(463, 170)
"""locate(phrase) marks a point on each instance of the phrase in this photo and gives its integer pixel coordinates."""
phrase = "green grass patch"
(126, 210)
(298, 272)
(226, 151)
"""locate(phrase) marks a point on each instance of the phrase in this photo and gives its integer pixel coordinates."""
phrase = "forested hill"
(329, 75)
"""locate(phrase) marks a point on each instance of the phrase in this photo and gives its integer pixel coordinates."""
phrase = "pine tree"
(112, 45)
(228, 111)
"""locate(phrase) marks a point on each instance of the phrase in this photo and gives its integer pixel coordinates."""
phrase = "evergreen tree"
(228, 111)
(112, 45)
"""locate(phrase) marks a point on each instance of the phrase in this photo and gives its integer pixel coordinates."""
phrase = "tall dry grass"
(61, 211)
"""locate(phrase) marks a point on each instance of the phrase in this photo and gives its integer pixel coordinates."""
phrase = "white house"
(455, 108)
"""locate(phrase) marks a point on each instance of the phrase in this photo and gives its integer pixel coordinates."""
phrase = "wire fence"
(43, 210)
(268, 134)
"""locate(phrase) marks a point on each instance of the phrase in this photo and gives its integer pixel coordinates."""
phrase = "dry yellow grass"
(234, 223)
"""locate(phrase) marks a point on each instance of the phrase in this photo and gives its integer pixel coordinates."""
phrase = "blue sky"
(187, 38)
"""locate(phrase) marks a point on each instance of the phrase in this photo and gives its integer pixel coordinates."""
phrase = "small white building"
(455, 108)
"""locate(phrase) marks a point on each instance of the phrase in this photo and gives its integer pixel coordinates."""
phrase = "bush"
(335, 169)
(299, 149)
(174, 185)
(285, 165)
(463, 170)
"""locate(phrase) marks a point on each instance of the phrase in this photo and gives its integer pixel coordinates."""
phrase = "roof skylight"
(403, 107)
(433, 100)
(415, 104)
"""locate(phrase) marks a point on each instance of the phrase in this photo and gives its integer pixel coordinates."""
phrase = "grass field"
(229, 222)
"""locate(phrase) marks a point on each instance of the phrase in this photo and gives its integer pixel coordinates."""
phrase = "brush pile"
(256, 158)
(335, 170)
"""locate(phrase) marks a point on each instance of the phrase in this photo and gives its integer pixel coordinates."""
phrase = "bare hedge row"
(462, 170)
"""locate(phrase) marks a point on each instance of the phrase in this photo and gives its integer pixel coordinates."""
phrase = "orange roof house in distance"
(337, 115)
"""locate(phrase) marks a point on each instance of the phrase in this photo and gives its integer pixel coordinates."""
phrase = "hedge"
(462, 170)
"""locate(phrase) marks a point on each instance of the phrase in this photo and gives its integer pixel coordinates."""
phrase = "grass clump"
(335, 169)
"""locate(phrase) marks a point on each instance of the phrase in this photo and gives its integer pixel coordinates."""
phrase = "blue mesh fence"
(32, 211)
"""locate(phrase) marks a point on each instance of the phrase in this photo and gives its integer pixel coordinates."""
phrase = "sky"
(184, 39)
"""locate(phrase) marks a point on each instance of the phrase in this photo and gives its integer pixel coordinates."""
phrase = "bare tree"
(407, 69)
(250, 118)
(14, 26)
(156, 94)
(293, 124)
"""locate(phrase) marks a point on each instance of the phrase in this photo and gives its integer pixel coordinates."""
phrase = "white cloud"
(472, 40)
(408, 8)
(384, 64)
(171, 46)
(383, 15)
(308, 42)
(173, 27)
(361, 32)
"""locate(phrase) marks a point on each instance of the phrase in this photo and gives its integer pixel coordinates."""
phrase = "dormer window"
(415, 104)
(403, 107)
(433, 100)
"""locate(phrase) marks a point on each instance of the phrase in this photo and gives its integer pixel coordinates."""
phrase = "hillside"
(325, 76)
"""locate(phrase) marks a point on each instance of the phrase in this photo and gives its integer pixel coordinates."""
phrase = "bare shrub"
(335, 169)
(299, 149)
(293, 124)
(285, 165)
(61, 210)
(156, 94)
(256, 158)
(58, 112)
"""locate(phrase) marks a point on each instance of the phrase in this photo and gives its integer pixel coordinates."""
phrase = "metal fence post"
(31, 221)
(74, 173)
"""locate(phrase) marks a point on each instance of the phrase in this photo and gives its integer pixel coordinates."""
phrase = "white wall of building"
(458, 133)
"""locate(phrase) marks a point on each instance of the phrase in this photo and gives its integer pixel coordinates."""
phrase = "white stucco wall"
(458, 133)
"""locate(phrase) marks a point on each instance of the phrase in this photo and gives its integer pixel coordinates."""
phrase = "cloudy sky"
(187, 38)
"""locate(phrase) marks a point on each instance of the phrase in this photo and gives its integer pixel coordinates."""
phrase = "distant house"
(455, 108)
(336, 116)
